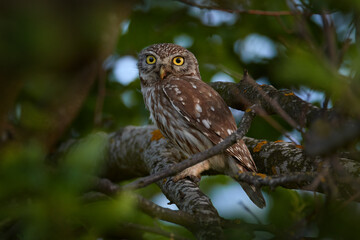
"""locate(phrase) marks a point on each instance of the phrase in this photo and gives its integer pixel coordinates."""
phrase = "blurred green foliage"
(50, 91)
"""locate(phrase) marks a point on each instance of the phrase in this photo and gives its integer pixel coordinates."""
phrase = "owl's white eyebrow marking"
(230, 131)
(193, 85)
(212, 108)
(206, 123)
(198, 108)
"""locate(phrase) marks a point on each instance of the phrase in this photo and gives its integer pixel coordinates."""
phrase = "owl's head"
(161, 61)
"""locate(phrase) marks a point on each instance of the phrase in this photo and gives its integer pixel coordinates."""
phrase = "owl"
(191, 114)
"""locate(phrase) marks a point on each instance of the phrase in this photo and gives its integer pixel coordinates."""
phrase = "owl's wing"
(204, 108)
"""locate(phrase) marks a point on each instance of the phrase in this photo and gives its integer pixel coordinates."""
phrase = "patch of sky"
(18, 111)
(343, 26)
(346, 71)
(125, 70)
(299, 5)
(357, 146)
(128, 98)
(237, 114)
(162, 201)
(263, 80)
(216, 39)
(231, 201)
(316, 18)
(184, 40)
(109, 62)
(124, 26)
(255, 48)
(310, 95)
(221, 77)
(213, 17)
(146, 5)
(294, 135)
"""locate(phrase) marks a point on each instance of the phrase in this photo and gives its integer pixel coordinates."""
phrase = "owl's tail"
(254, 194)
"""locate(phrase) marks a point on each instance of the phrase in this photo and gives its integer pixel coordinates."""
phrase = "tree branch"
(243, 94)
(277, 180)
(341, 129)
(140, 151)
(109, 188)
(135, 150)
(174, 216)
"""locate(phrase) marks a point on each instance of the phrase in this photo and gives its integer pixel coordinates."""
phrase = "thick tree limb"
(140, 151)
(175, 216)
(144, 152)
(134, 152)
(243, 94)
(298, 113)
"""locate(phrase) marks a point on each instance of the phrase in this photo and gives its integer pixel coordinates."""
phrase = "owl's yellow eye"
(178, 61)
(150, 59)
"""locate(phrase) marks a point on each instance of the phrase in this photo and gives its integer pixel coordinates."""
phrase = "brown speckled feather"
(204, 108)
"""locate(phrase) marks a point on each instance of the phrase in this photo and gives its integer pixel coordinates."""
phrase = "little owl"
(190, 113)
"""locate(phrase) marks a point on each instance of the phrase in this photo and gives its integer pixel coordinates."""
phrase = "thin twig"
(273, 102)
(329, 38)
(239, 11)
(275, 180)
(109, 188)
(282, 24)
(261, 112)
(250, 212)
(319, 179)
(240, 224)
(174, 216)
(198, 157)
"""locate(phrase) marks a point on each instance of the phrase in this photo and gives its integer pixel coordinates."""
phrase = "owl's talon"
(194, 178)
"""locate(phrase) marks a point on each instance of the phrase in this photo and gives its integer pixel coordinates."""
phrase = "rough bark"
(247, 92)
(140, 151)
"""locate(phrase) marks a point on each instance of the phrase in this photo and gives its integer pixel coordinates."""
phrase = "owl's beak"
(162, 72)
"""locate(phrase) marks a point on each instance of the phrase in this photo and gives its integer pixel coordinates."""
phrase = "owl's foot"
(193, 173)
(188, 174)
